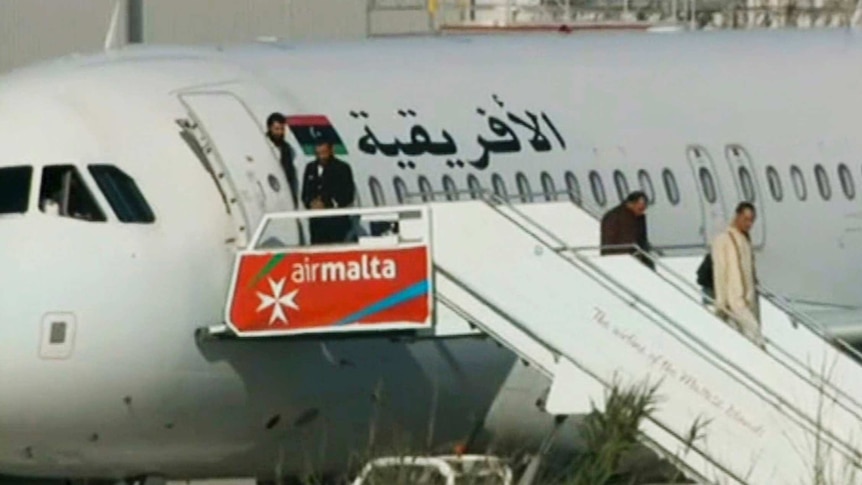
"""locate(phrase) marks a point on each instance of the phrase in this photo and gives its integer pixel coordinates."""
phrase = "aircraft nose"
(40, 289)
(21, 293)
(44, 288)
(17, 336)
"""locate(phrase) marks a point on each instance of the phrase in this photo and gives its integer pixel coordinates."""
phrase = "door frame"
(698, 158)
(738, 156)
(225, 183)
(224, 176)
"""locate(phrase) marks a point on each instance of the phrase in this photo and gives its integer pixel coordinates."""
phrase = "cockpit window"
(15, 189)
(123, 194)
(64, 194)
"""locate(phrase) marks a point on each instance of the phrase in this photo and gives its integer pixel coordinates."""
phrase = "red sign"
(311, 291)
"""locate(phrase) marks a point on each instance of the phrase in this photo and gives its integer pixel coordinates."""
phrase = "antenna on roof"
(111, 41)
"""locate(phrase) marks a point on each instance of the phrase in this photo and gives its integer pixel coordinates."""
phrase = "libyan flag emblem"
(310, 129)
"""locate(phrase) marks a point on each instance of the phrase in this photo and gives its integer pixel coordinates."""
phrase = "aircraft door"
(713, 217)
(747, 188)
(246, 166)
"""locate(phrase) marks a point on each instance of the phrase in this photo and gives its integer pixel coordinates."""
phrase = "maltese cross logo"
(277, 301)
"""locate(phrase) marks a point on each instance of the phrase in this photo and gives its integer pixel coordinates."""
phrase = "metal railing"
(810, 323)
(797, 316)
(689, 289)
(596, 211)
(557, 353)
(706, 351)
(584, 264)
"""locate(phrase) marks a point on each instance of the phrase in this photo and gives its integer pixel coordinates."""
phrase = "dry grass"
(611, 434)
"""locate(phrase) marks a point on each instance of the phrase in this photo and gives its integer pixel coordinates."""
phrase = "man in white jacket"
(734, 275)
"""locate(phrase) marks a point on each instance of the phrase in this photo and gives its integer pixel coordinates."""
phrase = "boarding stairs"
(530, 277)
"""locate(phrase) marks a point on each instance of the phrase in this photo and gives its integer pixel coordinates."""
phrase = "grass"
(824, 471)
(611, 436)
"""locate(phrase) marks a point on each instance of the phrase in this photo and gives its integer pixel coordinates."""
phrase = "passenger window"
(573, 188)
(376, 192)
(15, 189)
(548, 187)
(598, 189)
(524, 189)
(670, 186)
(425, 189)
(622, 185)
(708, 185)
(847, 183)
(475, 187)
(798, 183)
(400, 190)
(646, 186)
(450, 188)
(774, 183)
(823, 182)
(64, 194)
(499, 187)
(123, 194)
(747, 184)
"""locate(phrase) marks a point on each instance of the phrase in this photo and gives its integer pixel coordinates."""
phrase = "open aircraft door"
(244, 165)
(747, 188)
(713, 216)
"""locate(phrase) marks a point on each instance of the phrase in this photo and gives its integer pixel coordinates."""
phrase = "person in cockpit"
(50, 207)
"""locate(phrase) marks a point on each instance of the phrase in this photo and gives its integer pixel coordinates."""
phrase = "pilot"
(51, 207)
(624, 229)
(275, 132)
(327, 184)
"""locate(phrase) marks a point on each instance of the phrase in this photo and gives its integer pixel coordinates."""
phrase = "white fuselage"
(139, 394)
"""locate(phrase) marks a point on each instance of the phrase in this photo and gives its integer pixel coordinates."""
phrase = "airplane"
(117, 225)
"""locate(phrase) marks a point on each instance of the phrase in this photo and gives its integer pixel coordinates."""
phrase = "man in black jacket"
(275, 133)
(624, 229)
(326, 184)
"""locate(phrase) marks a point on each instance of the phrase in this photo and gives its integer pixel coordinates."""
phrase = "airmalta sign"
(310, 291)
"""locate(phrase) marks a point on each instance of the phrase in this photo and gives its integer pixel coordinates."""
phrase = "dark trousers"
(329, 230)
(708, 295)
(294, 189)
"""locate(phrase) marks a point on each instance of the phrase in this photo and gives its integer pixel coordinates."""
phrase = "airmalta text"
(363, 268)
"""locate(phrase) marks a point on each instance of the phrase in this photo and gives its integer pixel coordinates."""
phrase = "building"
(35, 30)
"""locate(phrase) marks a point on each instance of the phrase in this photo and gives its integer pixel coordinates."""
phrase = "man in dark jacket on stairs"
(624, 229)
